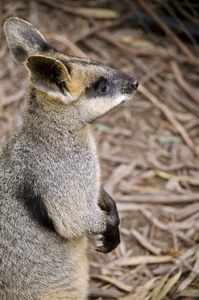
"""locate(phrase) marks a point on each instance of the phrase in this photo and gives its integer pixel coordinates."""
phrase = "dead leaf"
(143, 292)
(98, 13)
(192, 275)
(167, 287)
(118, 283)
(147, 259)
(190, 293)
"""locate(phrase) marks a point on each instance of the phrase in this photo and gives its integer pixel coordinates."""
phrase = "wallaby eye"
(103, 87)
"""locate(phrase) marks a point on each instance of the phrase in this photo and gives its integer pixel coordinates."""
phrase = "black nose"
(134, 84)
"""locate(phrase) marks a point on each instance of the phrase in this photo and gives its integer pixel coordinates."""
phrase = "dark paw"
(110, 239)
(111, 236)
(109, 243)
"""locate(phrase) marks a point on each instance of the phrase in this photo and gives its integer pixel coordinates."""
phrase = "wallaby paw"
(110, 240)
(111, 236)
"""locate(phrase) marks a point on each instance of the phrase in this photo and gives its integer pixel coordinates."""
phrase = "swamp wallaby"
(50, 192)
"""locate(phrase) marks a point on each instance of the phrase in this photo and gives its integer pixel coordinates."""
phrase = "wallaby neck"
(53, 122)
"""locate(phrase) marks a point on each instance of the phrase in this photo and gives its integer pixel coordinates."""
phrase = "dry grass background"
(149, 148)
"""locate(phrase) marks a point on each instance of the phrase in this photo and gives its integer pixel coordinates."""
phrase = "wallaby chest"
(67, 165)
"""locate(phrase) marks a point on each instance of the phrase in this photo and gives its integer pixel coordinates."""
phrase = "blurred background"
(148, 147)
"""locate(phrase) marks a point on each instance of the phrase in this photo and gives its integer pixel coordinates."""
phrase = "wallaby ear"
(48, 75)
(24, 40)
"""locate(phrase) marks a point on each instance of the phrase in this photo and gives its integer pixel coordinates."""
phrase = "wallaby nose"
(134, 84)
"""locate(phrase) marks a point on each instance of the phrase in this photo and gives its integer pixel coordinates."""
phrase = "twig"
(177, 166)
(192, 275)
(118, 174)
(192, 106)
(130, 53)
(184, 12)
(129, 206)
(165, 227)
(113, 281)
(186, 211)
(175, 240)
(96, 28)
(141, 239)
(129, 187)
(170, 117)
(127, 49)
(183, 83)
(13, 98)
(140, 176)
(190, 179)
(116, 159)
(145, 259)
(64, 40)
(64, 8)
(81, 11)
(123, 142)
(168, 30)
(184, 225)
(177, 199)
(95, 293)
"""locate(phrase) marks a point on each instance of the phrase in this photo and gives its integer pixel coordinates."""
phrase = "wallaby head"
(89, 86)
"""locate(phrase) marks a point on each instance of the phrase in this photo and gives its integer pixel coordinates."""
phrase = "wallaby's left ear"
(48, 75)
(24, 40)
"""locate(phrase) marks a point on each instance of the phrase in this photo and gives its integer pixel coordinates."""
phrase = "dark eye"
(103, 88)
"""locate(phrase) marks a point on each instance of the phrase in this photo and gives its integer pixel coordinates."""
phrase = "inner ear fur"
(47, 73)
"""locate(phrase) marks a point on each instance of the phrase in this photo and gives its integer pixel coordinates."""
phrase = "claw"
(102, 249)
(109, 243)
